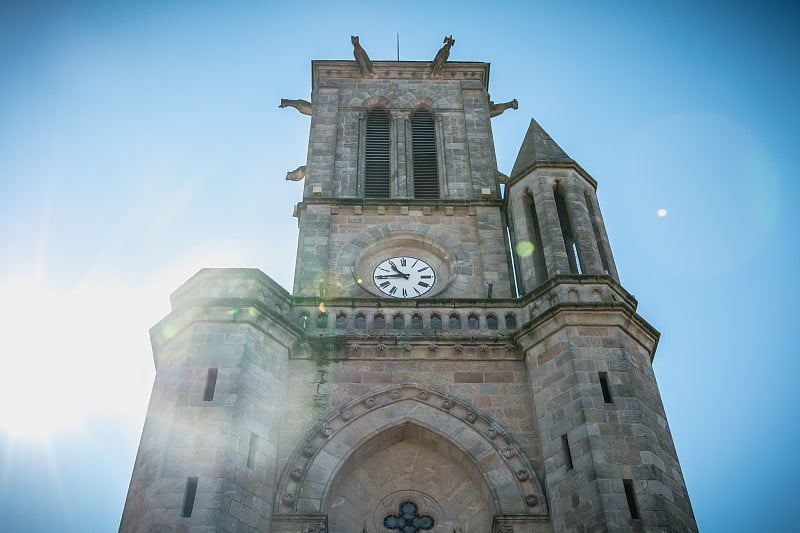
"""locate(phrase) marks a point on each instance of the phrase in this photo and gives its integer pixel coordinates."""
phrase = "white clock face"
(404, 277)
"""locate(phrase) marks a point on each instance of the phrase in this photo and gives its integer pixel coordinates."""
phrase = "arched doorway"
(408, 479)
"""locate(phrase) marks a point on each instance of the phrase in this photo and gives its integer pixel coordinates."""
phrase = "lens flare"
(662, 212)
(322, 307)
(524, 248)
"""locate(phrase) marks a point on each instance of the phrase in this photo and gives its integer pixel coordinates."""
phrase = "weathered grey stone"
(332, 406)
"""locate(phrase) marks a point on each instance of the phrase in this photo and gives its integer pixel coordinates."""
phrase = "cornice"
(399, 70)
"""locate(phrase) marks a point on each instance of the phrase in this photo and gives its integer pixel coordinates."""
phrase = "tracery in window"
(408, 520)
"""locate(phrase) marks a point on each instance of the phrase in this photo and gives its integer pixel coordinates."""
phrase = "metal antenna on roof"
(398, 46)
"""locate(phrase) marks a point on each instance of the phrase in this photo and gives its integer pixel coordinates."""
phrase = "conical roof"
(538, 148)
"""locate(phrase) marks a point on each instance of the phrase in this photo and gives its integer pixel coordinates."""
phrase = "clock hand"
(398, 275)
(394, 267)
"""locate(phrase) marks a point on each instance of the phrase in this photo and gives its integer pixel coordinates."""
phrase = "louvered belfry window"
(377, 169)
(426, 174)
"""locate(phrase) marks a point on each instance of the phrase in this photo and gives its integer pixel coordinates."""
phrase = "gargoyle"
(296, 174)
(364, 63)
(497, 109)
(442, 55)
(304, 106)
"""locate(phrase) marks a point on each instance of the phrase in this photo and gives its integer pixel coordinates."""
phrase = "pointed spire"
(538, 148)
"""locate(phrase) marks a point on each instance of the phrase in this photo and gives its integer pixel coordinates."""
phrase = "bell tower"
(401, 163)
(457, 353)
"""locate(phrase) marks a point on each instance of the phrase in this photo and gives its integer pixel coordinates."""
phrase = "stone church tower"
(457, 354)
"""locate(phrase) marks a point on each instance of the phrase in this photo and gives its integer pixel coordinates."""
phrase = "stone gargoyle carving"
(296, 174)
(497, 109)
(442, 55)
(364, 63)
(304, 106)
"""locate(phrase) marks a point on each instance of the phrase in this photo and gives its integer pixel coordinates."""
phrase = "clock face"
(404, 277)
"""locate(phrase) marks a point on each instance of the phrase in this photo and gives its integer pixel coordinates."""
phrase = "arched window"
(397, 321)
(322, 320)
(511, 321)
(426, 173)
(341, 321)
(455, 322)
(416, 321)
(436, 322)
(302, 320)
(472, 322)
(491, 321)
(377, 165)
(379, 322)
(361, 321)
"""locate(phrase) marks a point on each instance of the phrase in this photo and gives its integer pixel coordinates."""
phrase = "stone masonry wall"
(609, 441)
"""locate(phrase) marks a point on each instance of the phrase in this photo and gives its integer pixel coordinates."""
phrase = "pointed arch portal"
(410, 444)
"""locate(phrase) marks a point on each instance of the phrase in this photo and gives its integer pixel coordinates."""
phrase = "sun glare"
(68, 355)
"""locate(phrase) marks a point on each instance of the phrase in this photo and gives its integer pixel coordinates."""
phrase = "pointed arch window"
(426, 173)
(570, 245)
(377, 173)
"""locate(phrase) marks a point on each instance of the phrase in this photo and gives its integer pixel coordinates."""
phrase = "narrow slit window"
(455, 322)
(539, 266)
(251, 451)
(567, 452)
(426, 173)
(377, 166)
(598, 234)
(491, 321)
(341, 321)
(631, 496)
(566, 232)
(322, 320)
(604, 386)
(398, 322)
(211, 385)
(379, 322)
(577, 258)
(361, 321)
(473, 322)
(436, 322)
(416, 321)
(188, 496)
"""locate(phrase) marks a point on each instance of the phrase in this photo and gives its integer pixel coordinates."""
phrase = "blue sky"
(141, 142)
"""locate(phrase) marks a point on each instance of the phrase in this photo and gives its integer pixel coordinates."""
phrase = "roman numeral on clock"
(394, 290)
(384, 284)
(423, 284)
